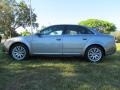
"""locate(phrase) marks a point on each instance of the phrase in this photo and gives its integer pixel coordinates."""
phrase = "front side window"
(53, 30)
(56, 32)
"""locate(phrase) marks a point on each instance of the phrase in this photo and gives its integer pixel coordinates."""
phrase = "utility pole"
(31, 17)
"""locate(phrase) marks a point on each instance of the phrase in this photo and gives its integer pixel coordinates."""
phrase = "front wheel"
(94, 54)
(19, 52)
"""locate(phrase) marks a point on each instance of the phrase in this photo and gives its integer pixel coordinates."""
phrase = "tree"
(22, 18)
(5, 16)
(14, 15)
(100, 25)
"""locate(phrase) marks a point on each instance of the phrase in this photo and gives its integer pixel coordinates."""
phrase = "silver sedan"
(72, 40)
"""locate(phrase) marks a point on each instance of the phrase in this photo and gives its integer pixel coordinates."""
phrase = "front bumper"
(4, 49)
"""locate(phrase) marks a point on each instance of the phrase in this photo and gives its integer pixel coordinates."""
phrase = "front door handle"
(58, 39)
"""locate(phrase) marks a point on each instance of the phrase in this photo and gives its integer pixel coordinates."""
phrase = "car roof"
(69, 25)
(91, 29)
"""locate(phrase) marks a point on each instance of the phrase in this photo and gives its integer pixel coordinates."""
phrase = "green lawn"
(48, 73)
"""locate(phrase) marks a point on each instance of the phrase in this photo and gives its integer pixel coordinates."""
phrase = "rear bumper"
(111, 50)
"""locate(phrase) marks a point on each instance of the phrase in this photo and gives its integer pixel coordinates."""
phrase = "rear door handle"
(84, 38)
(58, 39)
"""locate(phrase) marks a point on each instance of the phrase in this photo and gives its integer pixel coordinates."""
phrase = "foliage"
(100, 25)
(14, 15)
(5, 16)
(22, 12)
(25, 33)
(117, 36)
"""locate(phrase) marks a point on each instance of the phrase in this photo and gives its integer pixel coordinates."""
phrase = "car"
(63, 40)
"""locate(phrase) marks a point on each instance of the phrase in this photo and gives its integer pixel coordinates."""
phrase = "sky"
(50, 12)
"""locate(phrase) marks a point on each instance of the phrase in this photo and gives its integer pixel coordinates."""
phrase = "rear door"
(73, 40)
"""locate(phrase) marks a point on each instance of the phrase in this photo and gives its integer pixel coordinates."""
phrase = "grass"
(50, 73)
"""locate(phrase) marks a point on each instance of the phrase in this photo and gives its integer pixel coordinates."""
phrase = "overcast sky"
(73, 11)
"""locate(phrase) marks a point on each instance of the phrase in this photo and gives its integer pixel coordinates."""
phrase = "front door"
(49, 41)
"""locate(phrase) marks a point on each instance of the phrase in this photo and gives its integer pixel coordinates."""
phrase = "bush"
(117, 36)
(25, 33)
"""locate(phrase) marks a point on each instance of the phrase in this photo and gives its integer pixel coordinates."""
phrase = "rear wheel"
(19, 52)
(94, 54)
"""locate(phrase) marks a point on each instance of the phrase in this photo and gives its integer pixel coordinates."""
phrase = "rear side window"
(76, 30)
(71, 30)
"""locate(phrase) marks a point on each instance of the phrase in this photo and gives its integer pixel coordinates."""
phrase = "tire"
(94, 54)
(19, 52)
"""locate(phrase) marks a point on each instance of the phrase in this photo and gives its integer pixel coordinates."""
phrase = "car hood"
(22, 39)
(19, 38)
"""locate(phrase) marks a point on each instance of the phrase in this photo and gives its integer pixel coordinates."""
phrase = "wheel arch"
(19, 43)
(98, 45)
